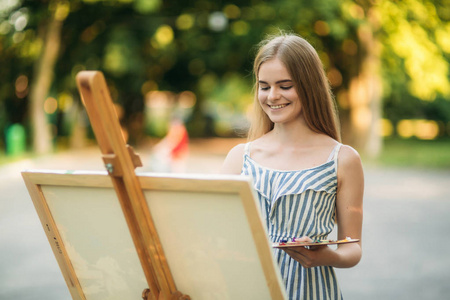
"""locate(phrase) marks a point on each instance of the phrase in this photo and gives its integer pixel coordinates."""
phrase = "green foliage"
(410, 28)
(414, 154)
(415, 58)
(207, 47)
(171, 46)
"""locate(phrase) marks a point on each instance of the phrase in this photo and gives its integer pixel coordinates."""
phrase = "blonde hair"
(312, 86)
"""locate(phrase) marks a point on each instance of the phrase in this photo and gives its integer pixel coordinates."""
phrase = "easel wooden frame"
(120, 162)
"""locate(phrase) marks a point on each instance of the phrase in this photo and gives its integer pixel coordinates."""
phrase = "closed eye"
(286, 87)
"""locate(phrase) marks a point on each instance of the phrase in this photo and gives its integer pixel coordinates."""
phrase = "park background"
(387, 62)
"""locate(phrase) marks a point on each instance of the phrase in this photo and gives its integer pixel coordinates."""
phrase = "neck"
(294, 132)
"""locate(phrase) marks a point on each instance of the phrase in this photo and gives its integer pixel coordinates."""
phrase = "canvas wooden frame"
(166, 195)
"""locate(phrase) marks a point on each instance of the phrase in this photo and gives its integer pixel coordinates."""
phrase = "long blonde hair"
(312, 86)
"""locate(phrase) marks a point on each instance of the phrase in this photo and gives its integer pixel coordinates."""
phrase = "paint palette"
(285, 244)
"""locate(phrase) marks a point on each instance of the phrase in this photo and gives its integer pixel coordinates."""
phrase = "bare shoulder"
(234, 160)
(349, 163)
(348, 155)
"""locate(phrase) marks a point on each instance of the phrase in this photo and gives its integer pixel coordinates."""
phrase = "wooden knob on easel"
(145, 294)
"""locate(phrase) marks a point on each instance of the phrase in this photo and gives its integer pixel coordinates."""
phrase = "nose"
(274, 94)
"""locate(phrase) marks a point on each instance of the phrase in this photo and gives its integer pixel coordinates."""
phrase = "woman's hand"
(311, 256)
(345, 256)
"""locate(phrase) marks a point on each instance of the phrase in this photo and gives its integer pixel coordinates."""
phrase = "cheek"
(292, 94)
(261, 97)
(293, 97)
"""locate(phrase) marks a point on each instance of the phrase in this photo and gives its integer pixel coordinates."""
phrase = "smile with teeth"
(277, 106)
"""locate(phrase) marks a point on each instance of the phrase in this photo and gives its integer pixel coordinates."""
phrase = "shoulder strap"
(336, 151)
(247, 149)
(334, 154)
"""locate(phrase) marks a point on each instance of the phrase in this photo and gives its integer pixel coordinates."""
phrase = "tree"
(207, 47)
(35, 34)
(50, 28)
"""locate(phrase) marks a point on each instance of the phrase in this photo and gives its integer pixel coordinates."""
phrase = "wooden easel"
(120, 162)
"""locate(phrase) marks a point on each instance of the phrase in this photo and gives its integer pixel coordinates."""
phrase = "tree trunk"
(364, 95)
(80, 123)
(42, 79)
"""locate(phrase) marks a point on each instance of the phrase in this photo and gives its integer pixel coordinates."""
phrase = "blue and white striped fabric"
(295, 204)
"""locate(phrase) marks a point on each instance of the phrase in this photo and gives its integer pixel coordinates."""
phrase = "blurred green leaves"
(414, 32)
(206, 47)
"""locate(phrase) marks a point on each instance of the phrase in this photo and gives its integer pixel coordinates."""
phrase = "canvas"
(209, 228)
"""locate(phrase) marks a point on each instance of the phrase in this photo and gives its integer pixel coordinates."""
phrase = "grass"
(415, 153)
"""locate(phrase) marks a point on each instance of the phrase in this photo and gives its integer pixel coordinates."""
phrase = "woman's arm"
(234, 160)
(349, 214)
(349, 206)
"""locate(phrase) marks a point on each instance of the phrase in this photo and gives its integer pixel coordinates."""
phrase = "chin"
(278, 120)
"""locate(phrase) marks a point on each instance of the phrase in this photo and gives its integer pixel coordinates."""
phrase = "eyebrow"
(278, 82)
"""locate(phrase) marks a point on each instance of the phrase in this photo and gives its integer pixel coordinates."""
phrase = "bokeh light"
(321, 28)
(385, 128)
(187, 99)
(50, 105)
(240, 27)
(217, 21)
(422, 129)
(232, 11)
(185, 22)
(21, 86)
(164, 35)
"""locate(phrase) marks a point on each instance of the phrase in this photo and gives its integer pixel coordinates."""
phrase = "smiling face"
(277, 94)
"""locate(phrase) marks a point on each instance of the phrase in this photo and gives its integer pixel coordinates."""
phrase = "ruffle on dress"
(279, 183)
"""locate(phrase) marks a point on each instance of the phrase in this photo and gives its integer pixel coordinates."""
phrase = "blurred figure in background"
(171, 153)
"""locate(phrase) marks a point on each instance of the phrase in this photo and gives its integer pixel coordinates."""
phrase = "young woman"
(306, 180)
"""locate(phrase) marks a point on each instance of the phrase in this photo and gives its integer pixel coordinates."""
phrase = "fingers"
(303, 239)
(311, 257)
(300, 255)
(295, 252)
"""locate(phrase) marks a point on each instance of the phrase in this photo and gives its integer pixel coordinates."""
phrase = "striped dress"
(295, 204)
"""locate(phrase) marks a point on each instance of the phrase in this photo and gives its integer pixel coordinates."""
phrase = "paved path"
(405, 231)
(405, 250)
